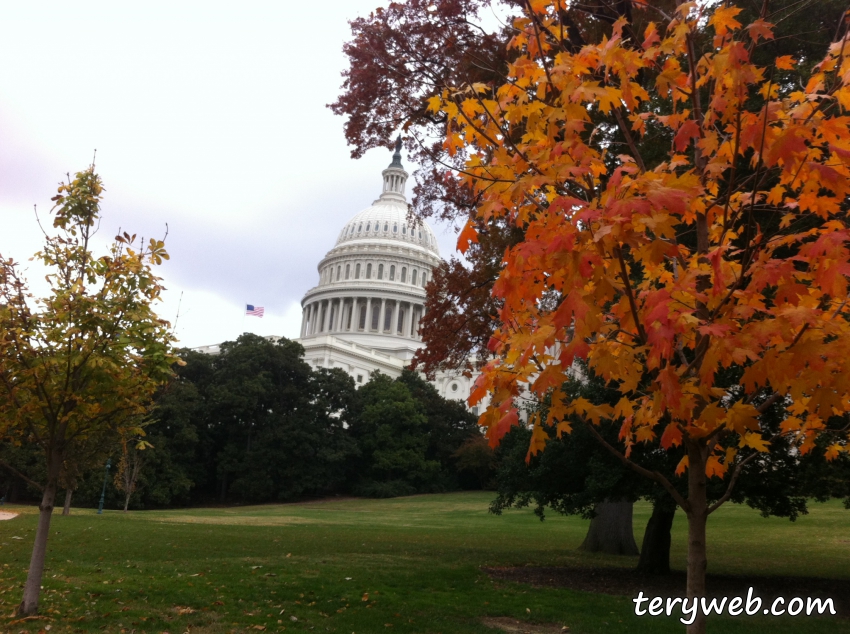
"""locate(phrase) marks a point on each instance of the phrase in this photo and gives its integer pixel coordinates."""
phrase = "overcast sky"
(207, 116)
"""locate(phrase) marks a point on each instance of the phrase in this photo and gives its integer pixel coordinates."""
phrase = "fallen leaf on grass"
(183, 609)
(365, 596)
(259, 627)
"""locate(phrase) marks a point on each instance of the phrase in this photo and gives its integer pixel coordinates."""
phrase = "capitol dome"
(371, 290)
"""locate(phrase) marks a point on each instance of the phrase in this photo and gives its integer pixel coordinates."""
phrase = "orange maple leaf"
(467, 236)
(760, 29)
(724, 20)
(785, 62)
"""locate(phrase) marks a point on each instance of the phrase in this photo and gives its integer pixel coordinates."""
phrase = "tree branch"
(9, 467)
(628, 288)
(655, 476)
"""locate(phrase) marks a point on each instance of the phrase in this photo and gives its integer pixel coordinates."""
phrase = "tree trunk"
(126, 502)
(32, 587)
(655, 550)
(611, 530)
(697, 519)
(66, 510)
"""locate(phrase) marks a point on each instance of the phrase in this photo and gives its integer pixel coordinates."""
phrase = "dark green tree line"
(255, 423)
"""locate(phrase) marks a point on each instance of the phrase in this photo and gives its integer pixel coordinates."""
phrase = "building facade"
(364, 313)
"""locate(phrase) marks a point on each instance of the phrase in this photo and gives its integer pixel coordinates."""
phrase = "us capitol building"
(364, 313)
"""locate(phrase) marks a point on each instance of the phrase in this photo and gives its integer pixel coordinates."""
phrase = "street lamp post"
(103, 493)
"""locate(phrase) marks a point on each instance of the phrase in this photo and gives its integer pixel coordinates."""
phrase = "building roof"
(388, 217)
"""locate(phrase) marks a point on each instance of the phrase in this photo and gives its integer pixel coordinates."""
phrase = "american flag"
(256, 311)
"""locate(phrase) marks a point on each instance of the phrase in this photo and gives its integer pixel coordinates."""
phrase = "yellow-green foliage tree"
(78, 366)
(729, 254)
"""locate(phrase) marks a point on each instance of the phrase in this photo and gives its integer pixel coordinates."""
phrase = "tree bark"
(697, 519)
(32, 587)
(655, 550)
(126, 502)
(66, 510)
(611, 529)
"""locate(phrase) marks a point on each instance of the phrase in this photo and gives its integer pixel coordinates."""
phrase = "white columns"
(338, 316)
(408, 321)
(343, 314)
(326, 309)
(394, 319)
(417, 314)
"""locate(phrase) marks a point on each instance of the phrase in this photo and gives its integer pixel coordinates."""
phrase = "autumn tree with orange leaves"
(731, 251)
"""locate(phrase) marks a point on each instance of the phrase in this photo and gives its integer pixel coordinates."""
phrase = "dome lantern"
(395, 177)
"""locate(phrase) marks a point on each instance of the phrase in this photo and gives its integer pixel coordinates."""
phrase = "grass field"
(349, 565)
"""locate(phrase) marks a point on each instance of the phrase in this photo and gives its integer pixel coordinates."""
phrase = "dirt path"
(7, 516)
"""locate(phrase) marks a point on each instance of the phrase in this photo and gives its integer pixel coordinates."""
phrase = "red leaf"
(784, 148)
(688, 130)
(498, 431)
(714, 330)
(672, 436)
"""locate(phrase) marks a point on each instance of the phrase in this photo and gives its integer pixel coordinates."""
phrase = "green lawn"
(400, 565)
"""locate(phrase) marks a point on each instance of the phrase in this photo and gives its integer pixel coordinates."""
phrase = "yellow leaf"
(754, 440)
(623, 409)
(742, 417)
(833, 450)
